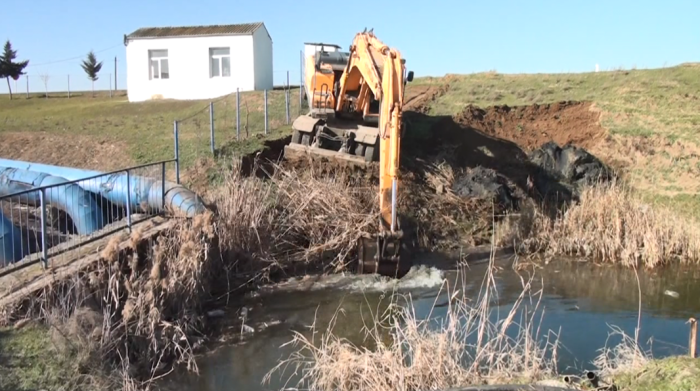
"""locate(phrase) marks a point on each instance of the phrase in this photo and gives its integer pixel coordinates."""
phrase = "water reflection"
(580, 301)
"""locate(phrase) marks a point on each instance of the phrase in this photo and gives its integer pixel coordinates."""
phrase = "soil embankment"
(453, 167)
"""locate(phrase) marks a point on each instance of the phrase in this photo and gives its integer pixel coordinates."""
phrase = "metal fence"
(46, 85)
(232, 120)
(64, 219)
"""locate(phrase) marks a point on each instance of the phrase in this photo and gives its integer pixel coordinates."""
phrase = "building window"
(219, 62)
(158, 60)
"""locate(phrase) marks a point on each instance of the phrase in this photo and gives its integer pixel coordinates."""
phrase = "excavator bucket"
(381, 254)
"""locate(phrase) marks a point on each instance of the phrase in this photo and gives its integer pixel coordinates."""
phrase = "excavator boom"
(356, 101)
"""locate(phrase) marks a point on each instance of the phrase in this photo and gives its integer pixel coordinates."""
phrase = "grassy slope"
(668, 374)
(652, 116)
(140, 132)
(28, 360)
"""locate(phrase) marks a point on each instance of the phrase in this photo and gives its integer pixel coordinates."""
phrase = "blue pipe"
(11, 243)
(80, 205)
(113, 187)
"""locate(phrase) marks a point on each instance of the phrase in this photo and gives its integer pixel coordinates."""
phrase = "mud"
(569, 165)
(484, 183)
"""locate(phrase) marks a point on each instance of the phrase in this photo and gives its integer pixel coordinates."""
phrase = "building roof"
(196, 31)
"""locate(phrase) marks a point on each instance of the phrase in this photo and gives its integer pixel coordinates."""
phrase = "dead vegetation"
(607, 224)
(134, 311)
(146, 305)
(464, 346)
(292, 218)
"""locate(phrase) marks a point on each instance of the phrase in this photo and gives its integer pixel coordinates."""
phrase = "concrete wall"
(262, 53)
(189, 68)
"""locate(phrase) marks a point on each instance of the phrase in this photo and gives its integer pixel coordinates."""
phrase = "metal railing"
(66, 218)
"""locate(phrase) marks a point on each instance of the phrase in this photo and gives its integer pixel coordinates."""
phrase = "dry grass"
(141, 306)
(443, 219)
(293, 217)
(609, 224)
(624, 357)
(145, 303)
(463, 347)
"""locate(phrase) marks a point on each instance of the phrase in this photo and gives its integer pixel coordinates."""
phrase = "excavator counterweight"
(355, 116)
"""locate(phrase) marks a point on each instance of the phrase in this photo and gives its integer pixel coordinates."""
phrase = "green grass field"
(652, 118)
(110, 133)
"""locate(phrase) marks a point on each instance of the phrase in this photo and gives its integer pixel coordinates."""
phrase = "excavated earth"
(514, 141)
(454, 167)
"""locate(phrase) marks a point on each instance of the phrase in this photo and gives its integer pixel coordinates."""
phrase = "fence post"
(286, 106)
(265, 99)
(68, 86)
(162, 189)
(27, 78)
(128, 197)
(110, 85)
(301, 80)
(211, 125)
(44, 250)
(177, 154)
(238, 114)
(287, 99)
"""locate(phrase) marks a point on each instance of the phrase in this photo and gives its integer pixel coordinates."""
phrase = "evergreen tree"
(9, 68)
(92, 68)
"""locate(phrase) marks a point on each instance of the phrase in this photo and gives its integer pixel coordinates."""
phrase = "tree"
(9, 68)
(92, 68)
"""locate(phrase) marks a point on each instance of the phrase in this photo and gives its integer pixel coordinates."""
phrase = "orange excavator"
(355, 116)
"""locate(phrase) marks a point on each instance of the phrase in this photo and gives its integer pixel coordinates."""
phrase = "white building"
(199, 62)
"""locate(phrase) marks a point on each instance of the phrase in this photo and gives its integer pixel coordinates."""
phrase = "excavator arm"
(375, 67)
(378, 69)
(355, 104)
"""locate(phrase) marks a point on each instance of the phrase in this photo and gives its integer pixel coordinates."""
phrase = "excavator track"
(341, 141)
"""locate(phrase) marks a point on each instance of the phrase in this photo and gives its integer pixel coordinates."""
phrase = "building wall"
(262, 53)
(189, 68)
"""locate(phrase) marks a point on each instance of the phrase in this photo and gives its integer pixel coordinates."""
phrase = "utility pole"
(115, 74)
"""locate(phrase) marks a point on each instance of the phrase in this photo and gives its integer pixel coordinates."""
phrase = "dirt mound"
(499, 138)
(531, 126)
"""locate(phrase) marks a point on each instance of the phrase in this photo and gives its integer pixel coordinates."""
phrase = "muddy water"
(580, 302)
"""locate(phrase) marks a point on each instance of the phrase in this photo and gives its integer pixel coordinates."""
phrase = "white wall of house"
(262, 58)
(197, 67)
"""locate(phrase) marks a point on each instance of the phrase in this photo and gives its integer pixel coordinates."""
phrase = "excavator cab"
(355, 101)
